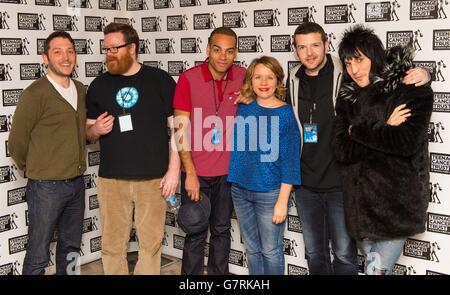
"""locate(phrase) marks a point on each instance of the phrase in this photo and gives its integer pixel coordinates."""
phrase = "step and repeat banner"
(173, 36)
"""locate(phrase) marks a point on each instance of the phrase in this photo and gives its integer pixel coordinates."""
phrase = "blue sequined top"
(266, 148)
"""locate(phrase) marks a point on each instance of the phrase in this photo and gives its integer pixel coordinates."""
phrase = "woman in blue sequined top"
(265, 164)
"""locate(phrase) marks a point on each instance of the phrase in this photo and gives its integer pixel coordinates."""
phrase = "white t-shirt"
(70, 93)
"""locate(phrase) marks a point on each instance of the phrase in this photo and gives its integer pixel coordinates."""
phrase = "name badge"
(310, 133)
(125, 123)
(216, 135)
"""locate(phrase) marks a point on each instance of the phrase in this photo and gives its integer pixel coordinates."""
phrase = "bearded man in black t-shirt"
(129, 112)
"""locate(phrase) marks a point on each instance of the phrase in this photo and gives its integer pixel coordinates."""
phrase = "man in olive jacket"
(47, 141)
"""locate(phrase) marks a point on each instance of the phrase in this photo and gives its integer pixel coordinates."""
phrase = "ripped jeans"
(381, 255)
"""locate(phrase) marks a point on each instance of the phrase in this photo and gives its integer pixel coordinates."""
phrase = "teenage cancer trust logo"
(127, 97)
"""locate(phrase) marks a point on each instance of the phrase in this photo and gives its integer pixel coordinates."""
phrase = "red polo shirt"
(211, 105)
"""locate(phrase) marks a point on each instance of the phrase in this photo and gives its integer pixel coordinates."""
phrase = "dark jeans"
(218, 190)
(322, 217)
(54, 204)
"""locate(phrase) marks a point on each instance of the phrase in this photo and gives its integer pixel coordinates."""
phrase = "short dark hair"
(222, 31)
(130, 35)
(362, 39)
(308, 28)
(57, 34)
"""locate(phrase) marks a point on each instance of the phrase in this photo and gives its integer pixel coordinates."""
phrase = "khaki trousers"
(117, 199)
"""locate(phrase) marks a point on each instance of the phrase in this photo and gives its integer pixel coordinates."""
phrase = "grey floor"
(169, 265)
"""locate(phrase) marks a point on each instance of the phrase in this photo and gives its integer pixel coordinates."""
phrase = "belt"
(71, 179)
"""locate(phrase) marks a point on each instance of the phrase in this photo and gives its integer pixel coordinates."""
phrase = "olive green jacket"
(47, 138)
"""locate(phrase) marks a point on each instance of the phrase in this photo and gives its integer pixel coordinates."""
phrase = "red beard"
(118, 66)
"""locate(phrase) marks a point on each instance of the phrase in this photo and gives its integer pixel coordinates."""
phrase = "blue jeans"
(322, 217)
(262, 238)
(381, 255)
(54, 204)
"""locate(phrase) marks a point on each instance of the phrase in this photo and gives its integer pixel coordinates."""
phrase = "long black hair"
(362, 39)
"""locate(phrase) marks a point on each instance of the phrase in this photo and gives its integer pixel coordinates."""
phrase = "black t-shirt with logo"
(142, 153)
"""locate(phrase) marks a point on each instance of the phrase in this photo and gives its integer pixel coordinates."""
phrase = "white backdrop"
(173, 37)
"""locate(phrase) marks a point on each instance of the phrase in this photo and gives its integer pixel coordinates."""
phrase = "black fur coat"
(384, 168)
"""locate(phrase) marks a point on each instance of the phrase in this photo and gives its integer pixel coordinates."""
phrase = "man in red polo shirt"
(205, 100)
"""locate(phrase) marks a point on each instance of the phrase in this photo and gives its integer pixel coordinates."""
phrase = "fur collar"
(398, 60)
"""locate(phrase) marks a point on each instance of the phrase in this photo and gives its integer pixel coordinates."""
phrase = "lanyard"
(311, 111)
(217, 107)
(310, 98)
(123, 98)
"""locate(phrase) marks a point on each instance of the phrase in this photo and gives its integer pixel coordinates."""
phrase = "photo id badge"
(310, 133)
(216, 134)
(125, 123)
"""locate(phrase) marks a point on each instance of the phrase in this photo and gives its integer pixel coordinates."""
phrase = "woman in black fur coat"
(381, 143)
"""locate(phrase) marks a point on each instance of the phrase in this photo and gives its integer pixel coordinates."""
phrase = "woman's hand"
(279, 212)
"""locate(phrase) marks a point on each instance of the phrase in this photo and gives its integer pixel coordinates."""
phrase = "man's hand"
(104, 124)
(169, 183)
(242, 99)
(417, 76)
(101, 126)
(192, 187)
(399, 115)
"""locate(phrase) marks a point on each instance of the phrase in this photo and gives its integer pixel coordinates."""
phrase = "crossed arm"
(405, 138)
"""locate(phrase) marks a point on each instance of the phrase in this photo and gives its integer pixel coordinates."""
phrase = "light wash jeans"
(262, 238)
(381, 255)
